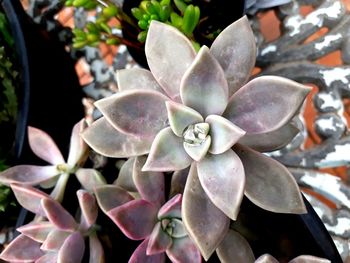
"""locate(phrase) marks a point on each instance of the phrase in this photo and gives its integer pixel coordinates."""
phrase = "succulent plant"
(58, 238)
(197, 110)
(58, 172)
(141, 213)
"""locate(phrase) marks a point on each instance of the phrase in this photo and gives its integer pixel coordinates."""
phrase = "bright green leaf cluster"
(178, 13)
(98, 31)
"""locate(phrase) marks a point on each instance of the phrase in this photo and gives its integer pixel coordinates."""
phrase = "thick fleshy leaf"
(269, 184)
(125, 179)
(204, 87)
(97, 254)
(197, 152)
(72, 250)
(235, 50)
(90, 178)
(169, 53)
(44, 147)
(270, 141)
(167, 153)
(150, 185)
(137, 78)
(111, 196)
(88, 206)
(55, 240)
(49, 257)
(181, 116)
(103, 138)
(235, 246)
(136, 112)
(140, 255)
(224, 134)
(172, 208)
(22, 249)
(183, 250)
(309, 259)
(78, 149)
(135, 219)
(265, 104)
(178, 181)
(29, 198)
(28, 174)
(57, 215)
(222, 178)
(37, 231)
(159, 241)
(198, 215)
(266, 258)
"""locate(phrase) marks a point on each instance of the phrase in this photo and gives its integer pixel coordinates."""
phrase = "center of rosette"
(196, 134)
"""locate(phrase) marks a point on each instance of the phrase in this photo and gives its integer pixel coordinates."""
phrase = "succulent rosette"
(196, 110)
(57, 172)
(136, 204)
(56, 237)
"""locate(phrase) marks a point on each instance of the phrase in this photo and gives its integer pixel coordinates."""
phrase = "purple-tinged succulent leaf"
(49, 257)
(235, 246)
(265, 104)
(103, 138)
(235, 50)
(37, 231)
(224, 134)
(178, 181)
(135, 219)
(78, 148)
(72, 250)
(137, 78)
(136, 112)
(90, 178)
(140, 255)
(167, 153)
(172, 208)
(266, 258)
(57, 215)
(159, 241)
(29, 198)
(54, 240)
(198, 215)
(183, 250)
(222, 178)
(97, 254)
(28, 174)
(197, 152)
(150, 185)
(270, 141)
(22, 249)
(169, 53)
(111, 196)
(88, 206)
(204, 87)
(49, 183)
(309, 259)
(181, 116)
(125, 179)
(269, 184)
(43, 146)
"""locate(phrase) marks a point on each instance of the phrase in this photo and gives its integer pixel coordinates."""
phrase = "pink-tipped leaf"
(37, 231)
(169, 53)
(44, 147)
(89, 209)
(198, 215)
(159, 241)
(135, 219)
(140, 255)
(78, 148)
(184, 250)
(90, 178)
(204, 87)
(54, 240)
(167, 153)
(72, 250)
(172, 208)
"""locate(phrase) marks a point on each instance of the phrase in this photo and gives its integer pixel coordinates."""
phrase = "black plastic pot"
(215, 15)
(49, 93)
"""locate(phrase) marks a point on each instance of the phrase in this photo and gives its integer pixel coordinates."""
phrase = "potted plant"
(190, 129)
